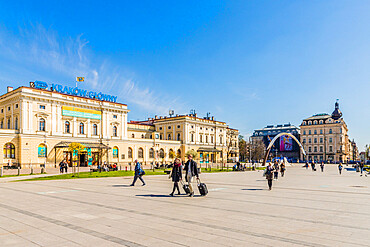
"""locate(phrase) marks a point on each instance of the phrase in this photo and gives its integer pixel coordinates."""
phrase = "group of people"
(63, 166)
(191, 171)
(272, 172)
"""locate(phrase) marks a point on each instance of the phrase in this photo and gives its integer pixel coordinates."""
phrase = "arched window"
(67, 127)
(9, 151)
(8, 123)
(41, 151)
(200, 138)
(211, 139)
(151, 153)
(169, 136)
(161, 153)
(178, 136)
(178, 153)
(114, 130)
(140, 153)
(82, 128)
(41, 124)
(206, 139)
(129, 154)
(192, 137)
(133, 135)
(115, 152)
(95, 129)
(16, 123)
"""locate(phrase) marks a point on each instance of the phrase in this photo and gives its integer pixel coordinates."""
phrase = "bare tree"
(258, 150)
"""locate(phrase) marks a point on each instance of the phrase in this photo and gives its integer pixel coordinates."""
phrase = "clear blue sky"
(250, 63)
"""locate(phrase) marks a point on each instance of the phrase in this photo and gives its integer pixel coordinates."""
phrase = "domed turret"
(336, 113)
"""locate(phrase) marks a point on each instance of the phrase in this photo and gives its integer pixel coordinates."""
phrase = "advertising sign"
(286, 143)
(79, 112)
(73, 91)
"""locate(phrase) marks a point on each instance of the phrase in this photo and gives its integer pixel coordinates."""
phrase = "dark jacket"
(269, 172)
(176, 173)
(193, 168)
(138, 170)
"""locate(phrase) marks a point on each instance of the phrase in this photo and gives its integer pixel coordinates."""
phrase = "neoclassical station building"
(38, 123)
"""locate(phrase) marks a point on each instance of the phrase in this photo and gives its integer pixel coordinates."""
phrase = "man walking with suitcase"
(191, 171)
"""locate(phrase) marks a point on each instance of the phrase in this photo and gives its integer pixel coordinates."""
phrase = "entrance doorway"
(67, 156)
(83, 159)
(95, 158)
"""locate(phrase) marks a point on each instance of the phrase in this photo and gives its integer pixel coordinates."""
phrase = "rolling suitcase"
(185, 187)
(202, 188)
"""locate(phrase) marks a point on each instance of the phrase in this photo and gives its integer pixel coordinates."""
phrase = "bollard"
(1, 171)
(42, 170)
(31, 170)
(227, 169)
(19, 171)
(126, 168)
(120, 167)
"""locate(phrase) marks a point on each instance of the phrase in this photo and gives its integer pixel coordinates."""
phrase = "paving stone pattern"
(305, 208)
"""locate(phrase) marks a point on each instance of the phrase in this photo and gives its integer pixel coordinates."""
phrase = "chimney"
(213, 118)
(195, 115)
(9, 89)
(156, 117)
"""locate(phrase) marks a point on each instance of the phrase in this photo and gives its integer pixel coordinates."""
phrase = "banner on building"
(79, 112)
(286, 143)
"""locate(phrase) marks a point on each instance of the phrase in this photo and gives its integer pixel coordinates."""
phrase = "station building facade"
(38, 125)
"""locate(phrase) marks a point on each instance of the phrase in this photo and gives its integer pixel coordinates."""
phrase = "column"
(88, 128)
(23, 121)
(75, 127)
(30, 117)
(53, 119)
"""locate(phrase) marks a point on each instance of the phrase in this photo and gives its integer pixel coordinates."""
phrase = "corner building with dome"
(325, 138)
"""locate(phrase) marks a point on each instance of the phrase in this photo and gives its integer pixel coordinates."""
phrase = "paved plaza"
(304, 208)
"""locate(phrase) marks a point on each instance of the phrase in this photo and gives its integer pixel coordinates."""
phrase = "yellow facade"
(324, 138)
(33, 121)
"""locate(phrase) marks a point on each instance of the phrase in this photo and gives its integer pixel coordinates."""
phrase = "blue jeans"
(140, 177)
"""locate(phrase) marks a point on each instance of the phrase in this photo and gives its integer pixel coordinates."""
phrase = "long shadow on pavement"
(152, 195)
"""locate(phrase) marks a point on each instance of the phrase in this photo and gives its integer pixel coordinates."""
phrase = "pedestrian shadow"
(252, 189)
(260, 179)
(159, 196)
(120, 185)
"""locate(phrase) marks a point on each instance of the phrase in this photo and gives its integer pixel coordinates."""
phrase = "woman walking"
(322, 166)
(139, 172)
(176, 175)
(282, 169)
(340, 167)
(269, 175)
(276, 170)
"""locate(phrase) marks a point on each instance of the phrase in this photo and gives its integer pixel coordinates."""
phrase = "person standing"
(313, 166)
(361, 167)
(282, 169)
(269, 175)
(176, 175)
(276, 170)
(61, 166)
(139, 172)
(322, 166)
(191, 170)
(340, 167)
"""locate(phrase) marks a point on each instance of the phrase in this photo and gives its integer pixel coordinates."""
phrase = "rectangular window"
(42, 107)
(320, 140)
(16, 105)
(114, 116)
